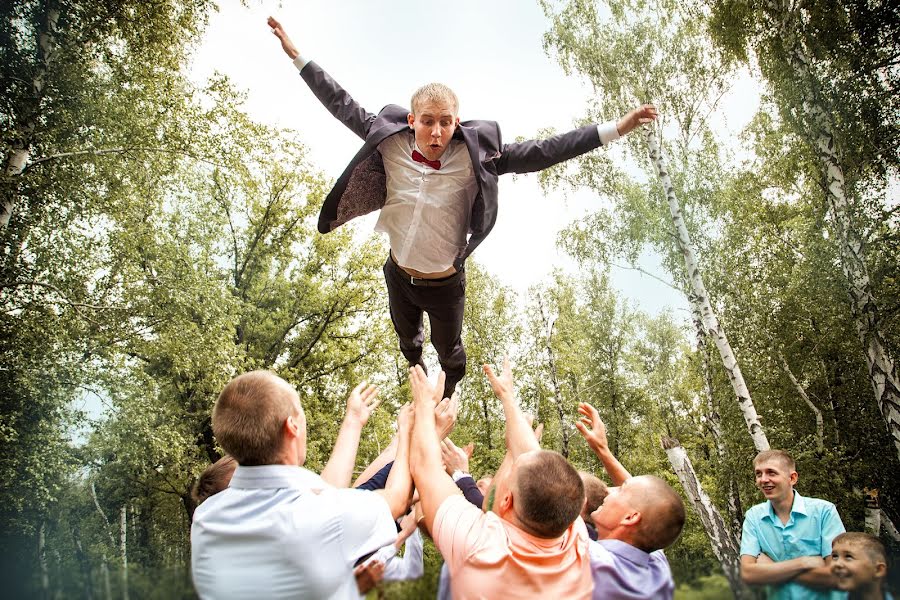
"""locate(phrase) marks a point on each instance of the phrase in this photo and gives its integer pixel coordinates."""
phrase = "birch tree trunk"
(123, 538)
(882, 369)
(20, 146)
(820, 426)
(733, 496)
(725, 545)
(104, 570)
(710, 323)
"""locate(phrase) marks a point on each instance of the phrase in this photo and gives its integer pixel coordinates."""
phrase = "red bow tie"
(434, 164)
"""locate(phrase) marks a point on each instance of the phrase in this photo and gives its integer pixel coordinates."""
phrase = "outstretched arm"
(433, 483)
(593, 430)
(398, 489)
(519, 435)
(335, 98)
(536, 155)
(360, 404)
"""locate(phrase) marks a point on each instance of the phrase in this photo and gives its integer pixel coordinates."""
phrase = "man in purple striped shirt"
(636, 521)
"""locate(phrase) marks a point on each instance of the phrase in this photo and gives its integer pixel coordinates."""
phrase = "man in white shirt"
(279, 530)
(435, 181)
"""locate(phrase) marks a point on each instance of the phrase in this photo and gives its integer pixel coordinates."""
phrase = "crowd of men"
(267, 527)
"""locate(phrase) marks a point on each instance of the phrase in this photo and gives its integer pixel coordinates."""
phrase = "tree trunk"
(701, 298)
(42, 560)
(724, 544)
(881, 367)
(22, 139)
(820, 426)
(84, 563)
(733, 496)
(104, 570)
(123, 536)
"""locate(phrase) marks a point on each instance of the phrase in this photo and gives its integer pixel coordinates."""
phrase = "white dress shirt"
(426, 213)
(280, 531)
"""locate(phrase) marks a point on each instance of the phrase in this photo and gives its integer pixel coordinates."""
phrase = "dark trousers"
(444, 304)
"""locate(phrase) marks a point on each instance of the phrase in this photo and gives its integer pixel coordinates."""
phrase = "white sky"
(489, 52)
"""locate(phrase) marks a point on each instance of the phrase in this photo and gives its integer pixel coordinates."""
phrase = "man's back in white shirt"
(280, 531)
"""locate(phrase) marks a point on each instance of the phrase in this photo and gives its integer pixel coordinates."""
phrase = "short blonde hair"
(434, 92)
(786, 460)
(249, 415)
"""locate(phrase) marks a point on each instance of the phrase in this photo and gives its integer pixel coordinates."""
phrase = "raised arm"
(398, 489)
(360, 404)
(593, 430)
(433, 483)
(519, 435)
(332, 96)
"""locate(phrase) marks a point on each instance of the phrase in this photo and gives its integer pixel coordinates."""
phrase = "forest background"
(723, 282)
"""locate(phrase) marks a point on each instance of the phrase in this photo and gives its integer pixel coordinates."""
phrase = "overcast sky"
(490, 53)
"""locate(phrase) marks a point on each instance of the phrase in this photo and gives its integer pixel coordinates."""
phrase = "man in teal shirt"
(786, 541)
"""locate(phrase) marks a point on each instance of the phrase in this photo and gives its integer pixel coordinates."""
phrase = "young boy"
(859, 562)
(786, 541)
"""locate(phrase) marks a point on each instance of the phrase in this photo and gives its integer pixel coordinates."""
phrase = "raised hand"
(591, 427)
(503, 385)
(286, 44)
(454, 457)
(445, 414)
(639, 116)
(423, 392)
(363, 400)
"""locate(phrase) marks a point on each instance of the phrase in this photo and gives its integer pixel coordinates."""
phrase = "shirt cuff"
(301, 62)
(457, 475)
(607, 131)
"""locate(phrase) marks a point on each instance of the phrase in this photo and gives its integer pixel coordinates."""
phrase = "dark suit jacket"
(361, 188)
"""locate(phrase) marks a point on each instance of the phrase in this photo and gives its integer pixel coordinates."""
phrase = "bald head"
(548, 493)
(249, 417)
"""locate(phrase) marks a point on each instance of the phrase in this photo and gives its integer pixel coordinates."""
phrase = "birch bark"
(724, 544)
(820, 426)
(711, 324)
(881, 367)
(20, 148)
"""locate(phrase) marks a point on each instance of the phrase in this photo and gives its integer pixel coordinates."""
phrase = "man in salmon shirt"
(532, 543)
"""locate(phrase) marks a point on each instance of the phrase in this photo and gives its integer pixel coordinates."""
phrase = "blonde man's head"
(434, 92)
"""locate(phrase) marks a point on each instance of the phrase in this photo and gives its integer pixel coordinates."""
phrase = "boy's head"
(858, 561)
(434, 118)
(775, 473)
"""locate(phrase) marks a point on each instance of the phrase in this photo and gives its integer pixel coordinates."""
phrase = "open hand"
(363, 400)
(445, 414)
(454, 457)
(503, 385)
(591, 426)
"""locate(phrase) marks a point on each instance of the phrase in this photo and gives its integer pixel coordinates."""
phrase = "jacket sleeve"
(470, 491)
(336, 99)
(536, 155)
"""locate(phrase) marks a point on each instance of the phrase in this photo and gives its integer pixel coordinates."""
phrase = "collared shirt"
(426, 212)
(812, 526)
(489, 557)
(280, 531)
(623, 572)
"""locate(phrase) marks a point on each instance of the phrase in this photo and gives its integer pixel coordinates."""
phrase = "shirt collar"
(798, 507)
(276, 476)
(626, 551)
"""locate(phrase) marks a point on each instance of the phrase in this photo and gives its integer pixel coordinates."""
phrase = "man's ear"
(411, 119)
(880, 569)
(794, 477)
(632, 519)
(292, 427)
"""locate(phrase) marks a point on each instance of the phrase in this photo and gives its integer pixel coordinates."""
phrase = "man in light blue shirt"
(786, 541)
